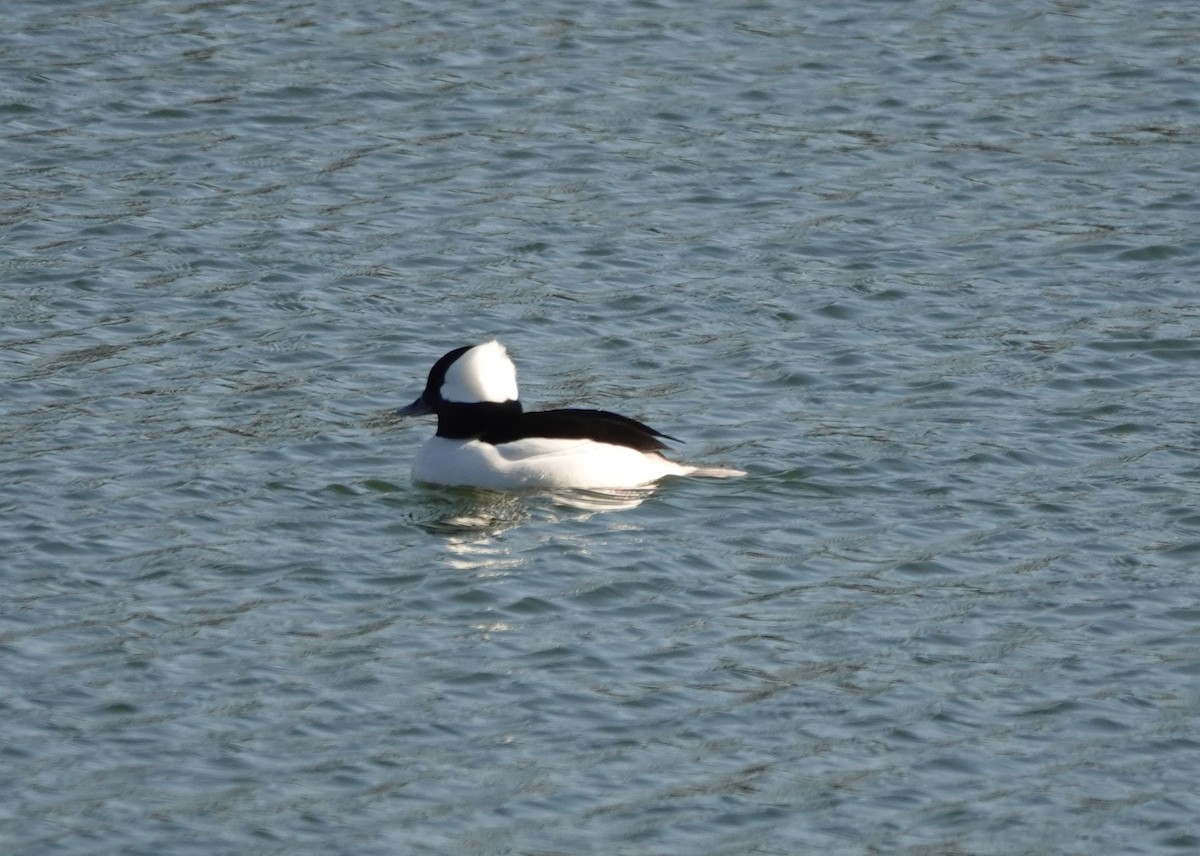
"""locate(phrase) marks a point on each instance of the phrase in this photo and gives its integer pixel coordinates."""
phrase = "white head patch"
(484, 373)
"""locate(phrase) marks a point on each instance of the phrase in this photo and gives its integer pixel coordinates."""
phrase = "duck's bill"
(417, 408)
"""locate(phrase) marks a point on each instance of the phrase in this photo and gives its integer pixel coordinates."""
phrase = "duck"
(486, 439)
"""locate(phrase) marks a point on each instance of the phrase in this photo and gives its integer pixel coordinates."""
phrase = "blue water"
(926, 270)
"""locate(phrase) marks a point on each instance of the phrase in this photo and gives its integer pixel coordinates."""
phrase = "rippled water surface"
(926, 270)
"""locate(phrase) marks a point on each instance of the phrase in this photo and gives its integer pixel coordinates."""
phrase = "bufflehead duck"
(485, 439)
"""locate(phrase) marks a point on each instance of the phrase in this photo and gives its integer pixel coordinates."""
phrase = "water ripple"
(924, 270)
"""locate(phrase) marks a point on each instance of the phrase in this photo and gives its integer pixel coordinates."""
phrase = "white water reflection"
(475, 521)
(473, 512)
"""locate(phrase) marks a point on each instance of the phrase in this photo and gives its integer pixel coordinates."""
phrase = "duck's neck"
(466, 421)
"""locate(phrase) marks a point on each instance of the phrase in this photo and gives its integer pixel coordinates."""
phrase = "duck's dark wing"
(579, 424)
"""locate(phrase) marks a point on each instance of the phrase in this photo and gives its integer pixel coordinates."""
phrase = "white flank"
(540, 462)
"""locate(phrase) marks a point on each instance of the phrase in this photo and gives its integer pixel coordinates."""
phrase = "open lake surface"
(926, 270)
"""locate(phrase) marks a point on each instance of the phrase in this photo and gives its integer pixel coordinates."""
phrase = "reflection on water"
(471, 520)
(470, 512)
(601, 500)
(468, 523)
(475, 511)
(482, 555)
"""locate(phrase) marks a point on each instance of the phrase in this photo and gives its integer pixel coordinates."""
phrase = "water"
(926, 270)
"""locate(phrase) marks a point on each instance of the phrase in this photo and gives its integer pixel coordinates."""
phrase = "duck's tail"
(716, 472)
